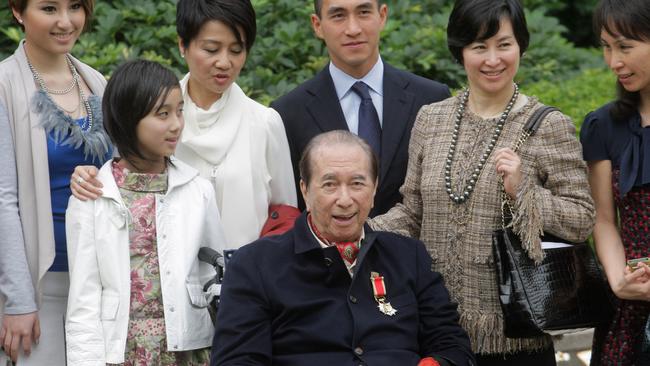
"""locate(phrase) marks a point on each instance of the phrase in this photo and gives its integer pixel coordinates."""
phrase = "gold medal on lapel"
(379, 290)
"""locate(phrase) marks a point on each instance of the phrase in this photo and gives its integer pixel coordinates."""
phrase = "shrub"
(575, 15)
(124, 29)
(286, 51)
(550, 56)
(576, 96)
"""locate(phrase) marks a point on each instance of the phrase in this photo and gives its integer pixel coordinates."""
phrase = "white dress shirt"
(350, 101)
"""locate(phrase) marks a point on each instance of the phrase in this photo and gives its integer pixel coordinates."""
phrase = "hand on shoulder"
(84, 183)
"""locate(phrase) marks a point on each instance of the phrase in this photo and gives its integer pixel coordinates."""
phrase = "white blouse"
(241, 147)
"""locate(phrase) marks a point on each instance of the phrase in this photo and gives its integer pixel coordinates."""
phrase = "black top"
(625, 143)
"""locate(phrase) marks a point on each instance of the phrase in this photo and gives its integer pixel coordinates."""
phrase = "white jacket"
(98, 253)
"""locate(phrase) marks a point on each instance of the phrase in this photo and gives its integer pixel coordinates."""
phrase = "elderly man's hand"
(19, 329)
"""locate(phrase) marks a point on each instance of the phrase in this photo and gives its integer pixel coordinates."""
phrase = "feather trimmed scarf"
(65, 131)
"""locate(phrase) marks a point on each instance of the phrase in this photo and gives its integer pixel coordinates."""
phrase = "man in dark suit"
(350, 30)
(331, 291)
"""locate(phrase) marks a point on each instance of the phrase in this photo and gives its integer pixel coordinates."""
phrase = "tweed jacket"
(553, 197)
(17, 87)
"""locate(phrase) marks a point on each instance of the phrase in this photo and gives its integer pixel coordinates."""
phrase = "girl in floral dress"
(616, 144)
(136, 285)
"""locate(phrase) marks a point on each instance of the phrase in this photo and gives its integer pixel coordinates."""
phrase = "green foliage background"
(286, 51)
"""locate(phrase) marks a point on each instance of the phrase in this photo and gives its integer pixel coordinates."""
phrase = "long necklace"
(463, 196)
(88, 124)
(43, 86)
(71, 112)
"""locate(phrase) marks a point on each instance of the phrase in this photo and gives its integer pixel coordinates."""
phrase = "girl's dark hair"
(630, 19)
(238, 15)
(478, 20)
(134, 90)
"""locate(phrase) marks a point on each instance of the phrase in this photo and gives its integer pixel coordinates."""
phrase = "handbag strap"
(529, 129)
(532, 125)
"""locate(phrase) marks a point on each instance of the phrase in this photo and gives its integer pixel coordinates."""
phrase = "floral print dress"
(618, 341)
(146, 340)
(627, 145)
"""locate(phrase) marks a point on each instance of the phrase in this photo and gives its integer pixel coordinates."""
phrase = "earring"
(20, 21)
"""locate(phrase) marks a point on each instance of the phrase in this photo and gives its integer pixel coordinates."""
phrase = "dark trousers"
(542, 358)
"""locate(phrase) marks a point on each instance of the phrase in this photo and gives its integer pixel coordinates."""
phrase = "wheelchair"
(218, 261)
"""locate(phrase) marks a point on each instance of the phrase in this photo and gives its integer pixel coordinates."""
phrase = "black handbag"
(566, 291)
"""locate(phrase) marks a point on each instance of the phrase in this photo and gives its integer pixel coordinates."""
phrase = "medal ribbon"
(378, 285)
(379, 290)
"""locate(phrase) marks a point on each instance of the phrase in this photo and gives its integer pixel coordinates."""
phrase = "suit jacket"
(313, 107)
(287, 301)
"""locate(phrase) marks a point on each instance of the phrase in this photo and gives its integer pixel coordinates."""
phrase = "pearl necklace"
(88, 124)
(469, 186)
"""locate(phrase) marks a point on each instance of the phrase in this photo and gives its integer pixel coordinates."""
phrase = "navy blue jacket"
(286, 301)
(313, 108)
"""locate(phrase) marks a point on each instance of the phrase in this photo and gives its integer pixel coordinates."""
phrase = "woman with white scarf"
(235, 142)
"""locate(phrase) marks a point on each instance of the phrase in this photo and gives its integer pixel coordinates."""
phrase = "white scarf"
(219, 139)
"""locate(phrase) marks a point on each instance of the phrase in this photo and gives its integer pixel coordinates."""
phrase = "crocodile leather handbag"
(566, 291)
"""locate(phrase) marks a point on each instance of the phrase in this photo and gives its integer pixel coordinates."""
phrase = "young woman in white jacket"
(136, 292)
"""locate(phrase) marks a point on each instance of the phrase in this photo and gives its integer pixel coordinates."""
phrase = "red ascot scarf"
(348, 249)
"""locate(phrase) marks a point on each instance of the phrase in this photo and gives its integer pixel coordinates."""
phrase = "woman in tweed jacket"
(545, 180)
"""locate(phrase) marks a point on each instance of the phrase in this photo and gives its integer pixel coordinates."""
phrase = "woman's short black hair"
(478, 20)
(630, 19)
(238, 15)
(135, 89)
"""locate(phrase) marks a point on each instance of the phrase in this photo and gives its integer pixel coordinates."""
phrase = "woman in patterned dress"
(136, 294)
(616, 143)
(236, 143)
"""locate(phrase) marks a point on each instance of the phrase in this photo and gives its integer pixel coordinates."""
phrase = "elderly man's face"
(341, 192)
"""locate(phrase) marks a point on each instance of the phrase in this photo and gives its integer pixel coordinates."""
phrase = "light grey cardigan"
(17, 87)
(15, 281)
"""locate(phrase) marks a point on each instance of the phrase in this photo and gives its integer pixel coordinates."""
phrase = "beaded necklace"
(461, 197)
(88, 134)
(88, 124)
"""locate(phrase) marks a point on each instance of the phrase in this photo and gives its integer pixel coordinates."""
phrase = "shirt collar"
(343, 82)
(327, 245)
